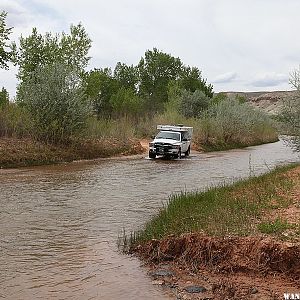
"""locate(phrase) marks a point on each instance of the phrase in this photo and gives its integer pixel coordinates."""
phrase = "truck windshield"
(169, 135)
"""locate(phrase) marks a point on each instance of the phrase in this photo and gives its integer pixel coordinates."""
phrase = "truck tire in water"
(188, 151)
(152, 155)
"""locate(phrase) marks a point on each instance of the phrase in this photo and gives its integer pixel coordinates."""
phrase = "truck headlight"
(176, 146)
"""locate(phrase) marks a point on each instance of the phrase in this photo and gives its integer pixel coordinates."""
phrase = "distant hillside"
(270, 102)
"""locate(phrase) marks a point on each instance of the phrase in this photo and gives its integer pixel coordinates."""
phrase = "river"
(59, 224)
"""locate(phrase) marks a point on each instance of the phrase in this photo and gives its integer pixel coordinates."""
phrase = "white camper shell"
(171, 141)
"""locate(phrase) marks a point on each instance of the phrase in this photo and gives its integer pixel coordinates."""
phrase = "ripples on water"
(59, 224)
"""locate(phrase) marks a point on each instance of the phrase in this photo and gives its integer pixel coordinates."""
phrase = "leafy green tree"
(127, 76)
(174, 96)
(39, 50)
(156, 70)
(191, 80)
(54, 97)
(100, 86)
(5, 53)
(4, 97)
(193, 104)
(126, 103)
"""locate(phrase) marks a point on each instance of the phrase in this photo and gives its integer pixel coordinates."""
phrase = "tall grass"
(220, 211)
(14, 122)
(109, 128)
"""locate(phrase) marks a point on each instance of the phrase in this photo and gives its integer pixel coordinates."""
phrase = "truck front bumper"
(164, 150)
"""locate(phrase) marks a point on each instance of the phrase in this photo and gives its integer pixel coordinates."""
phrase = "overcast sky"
(240, 45)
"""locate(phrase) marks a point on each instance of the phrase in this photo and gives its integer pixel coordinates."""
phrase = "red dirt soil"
(229, 268)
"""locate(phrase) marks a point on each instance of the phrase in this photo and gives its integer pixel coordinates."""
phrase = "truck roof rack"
(178, 127)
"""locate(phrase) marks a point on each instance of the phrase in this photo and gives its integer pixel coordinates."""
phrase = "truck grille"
(162, 148)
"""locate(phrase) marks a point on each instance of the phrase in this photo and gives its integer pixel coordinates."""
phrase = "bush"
(192, 104)
(54, 97)
(231, 123)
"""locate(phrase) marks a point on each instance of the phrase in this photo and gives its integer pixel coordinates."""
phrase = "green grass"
(221, 211)
(277, 226)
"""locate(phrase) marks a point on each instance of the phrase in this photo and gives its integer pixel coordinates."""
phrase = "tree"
(5, 55)
(191, 80)
(39, 50)
(156, 70)
(4, 97)
(54, 97)
(127, 76)
(99, 88)
(290, 114)
(126, 103)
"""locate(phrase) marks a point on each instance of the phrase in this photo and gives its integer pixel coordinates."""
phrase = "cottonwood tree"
(5, 51)
(100, 86)
(126, 76)
(39, 50)
(191, 80)
(156, 70)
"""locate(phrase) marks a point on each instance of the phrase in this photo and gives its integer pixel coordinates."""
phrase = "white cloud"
(225, 78)
(269, 80)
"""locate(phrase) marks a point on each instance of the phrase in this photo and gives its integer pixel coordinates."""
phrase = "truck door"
(184, 142)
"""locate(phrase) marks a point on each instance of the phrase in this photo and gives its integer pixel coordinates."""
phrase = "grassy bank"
(28, 152)
(240, 241)
(248, 207)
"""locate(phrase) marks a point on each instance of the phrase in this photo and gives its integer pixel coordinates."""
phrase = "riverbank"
(232, 242)
(28, 152)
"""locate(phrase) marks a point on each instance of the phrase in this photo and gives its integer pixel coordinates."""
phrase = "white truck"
(171, 141)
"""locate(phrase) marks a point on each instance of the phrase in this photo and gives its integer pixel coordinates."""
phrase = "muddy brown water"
(59, 224)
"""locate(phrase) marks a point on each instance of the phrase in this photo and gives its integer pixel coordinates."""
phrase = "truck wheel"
(179, 154)
(152, 155)
(188, 151)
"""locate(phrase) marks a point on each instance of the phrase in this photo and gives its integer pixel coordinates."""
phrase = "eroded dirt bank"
(227, 268)
(27, 152)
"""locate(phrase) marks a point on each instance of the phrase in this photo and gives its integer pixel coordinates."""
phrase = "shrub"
(231, 123)
(192, 104)
(54, 97)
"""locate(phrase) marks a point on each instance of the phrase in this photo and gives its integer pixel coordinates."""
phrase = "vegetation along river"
(59, 224)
